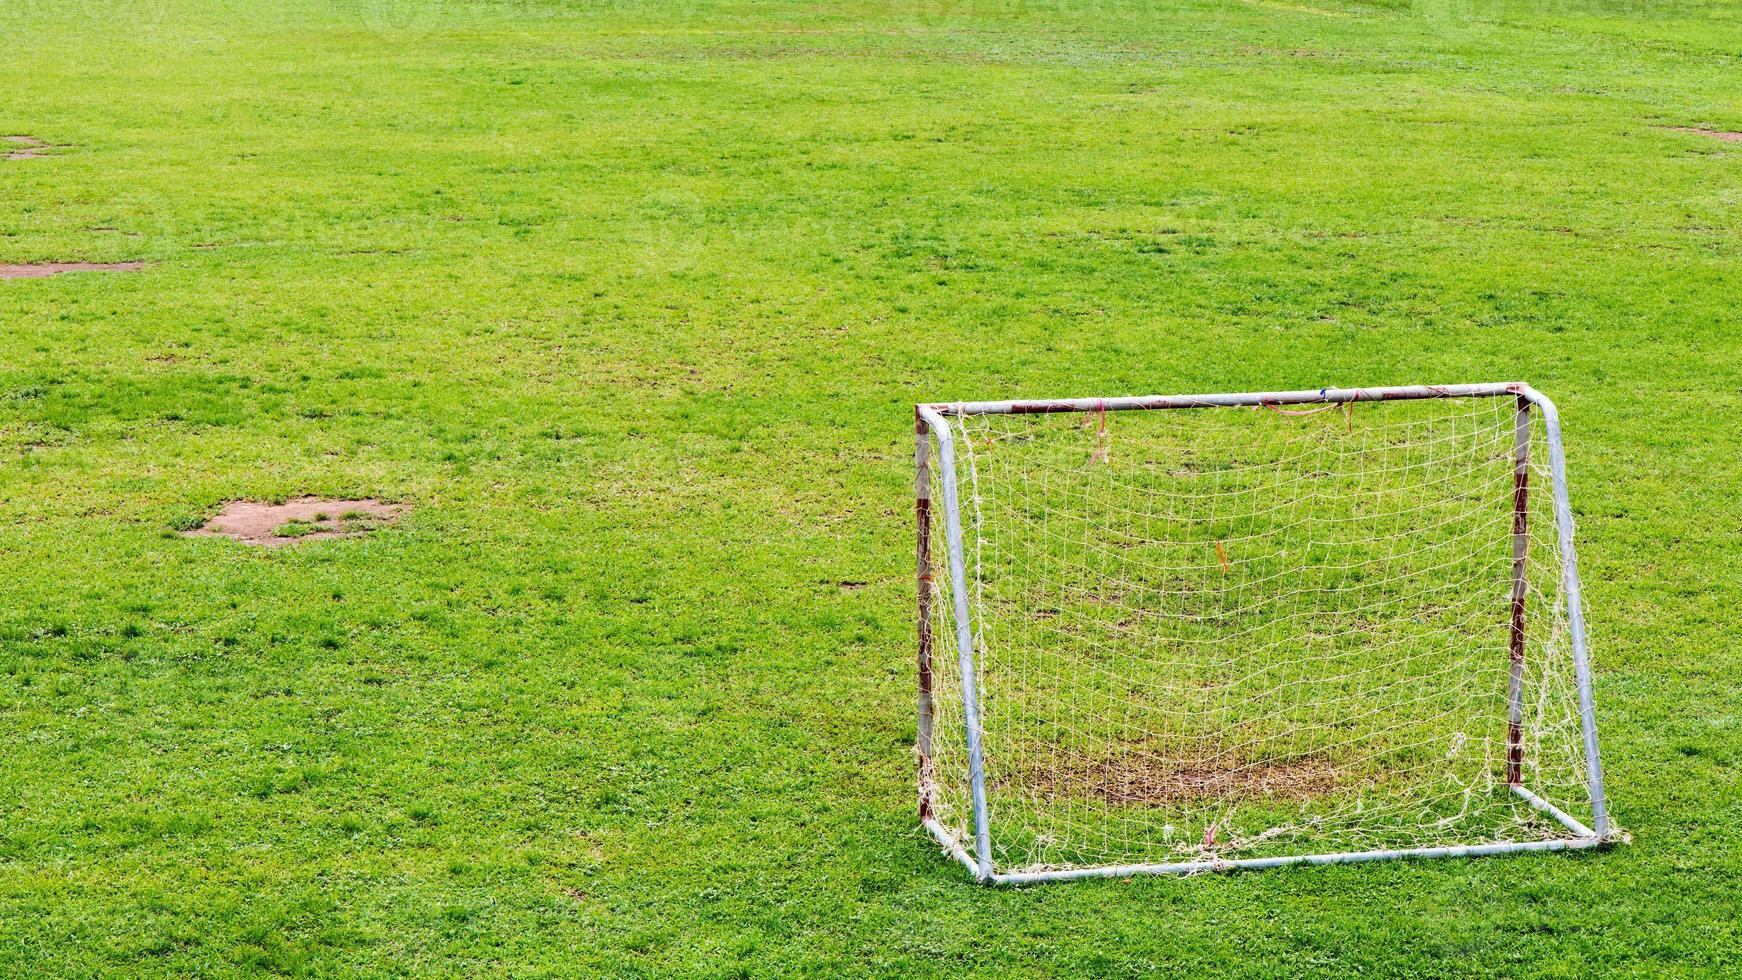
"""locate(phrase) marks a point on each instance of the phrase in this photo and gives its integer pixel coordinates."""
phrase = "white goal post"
(1286, 627)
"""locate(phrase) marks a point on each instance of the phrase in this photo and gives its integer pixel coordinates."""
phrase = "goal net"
(1303, 626)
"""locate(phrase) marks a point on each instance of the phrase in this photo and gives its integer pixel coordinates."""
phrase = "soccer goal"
(1194, 633)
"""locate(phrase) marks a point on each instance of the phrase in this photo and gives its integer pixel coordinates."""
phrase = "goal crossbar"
(931, 424)
(1248, 399)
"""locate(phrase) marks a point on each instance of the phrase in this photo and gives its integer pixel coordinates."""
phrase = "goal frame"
(931, 422)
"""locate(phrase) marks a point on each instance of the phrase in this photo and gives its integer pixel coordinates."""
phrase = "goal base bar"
(952, 848)
(1586, 839)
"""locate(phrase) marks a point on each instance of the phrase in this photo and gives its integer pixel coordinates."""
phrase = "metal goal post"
(931, 423)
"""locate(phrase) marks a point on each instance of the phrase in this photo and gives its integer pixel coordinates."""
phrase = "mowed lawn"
(630, 303)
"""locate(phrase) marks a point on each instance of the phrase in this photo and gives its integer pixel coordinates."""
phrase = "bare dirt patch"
(29, 147)
(41, 270)
(1141, 779)
(302, 519)
(1717, 134)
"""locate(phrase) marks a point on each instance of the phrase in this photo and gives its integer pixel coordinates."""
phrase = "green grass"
(631, 301)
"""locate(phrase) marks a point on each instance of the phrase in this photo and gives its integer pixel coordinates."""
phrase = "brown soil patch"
(40, 270)
(30, 147)
(1717, 134)
(1139, 779)
(302, 519)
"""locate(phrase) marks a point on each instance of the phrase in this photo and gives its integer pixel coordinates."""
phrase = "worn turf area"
(629, 302)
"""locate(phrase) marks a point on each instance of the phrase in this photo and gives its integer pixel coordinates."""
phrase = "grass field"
(631, 301)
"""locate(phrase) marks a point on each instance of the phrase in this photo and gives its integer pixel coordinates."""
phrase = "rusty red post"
(1520, 583)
